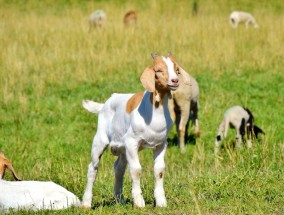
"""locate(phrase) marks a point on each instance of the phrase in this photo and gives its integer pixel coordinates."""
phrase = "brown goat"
(130, 18)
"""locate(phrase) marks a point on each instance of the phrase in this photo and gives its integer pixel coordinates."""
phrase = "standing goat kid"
(32, 195)
(184, 108)
(131, 122)
(238, 17)
(243, 121)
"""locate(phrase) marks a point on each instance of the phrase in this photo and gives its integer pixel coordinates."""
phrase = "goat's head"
(5, 163)
(162, 75)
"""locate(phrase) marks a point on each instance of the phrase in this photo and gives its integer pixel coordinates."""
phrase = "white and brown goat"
(242, 120)
(131, 122)
(31, 195)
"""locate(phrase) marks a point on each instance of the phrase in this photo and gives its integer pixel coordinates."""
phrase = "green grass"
(49, 63)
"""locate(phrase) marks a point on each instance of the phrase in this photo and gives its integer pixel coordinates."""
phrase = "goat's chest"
(153, 128)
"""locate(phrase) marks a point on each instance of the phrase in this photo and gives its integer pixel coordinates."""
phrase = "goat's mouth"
(173, 87)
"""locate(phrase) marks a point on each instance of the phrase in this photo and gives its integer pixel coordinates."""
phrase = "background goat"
(130, 18)
(97, 19)
(32, 195)
(184, 108)
(243, 121)
(131, 122)
(237, 17)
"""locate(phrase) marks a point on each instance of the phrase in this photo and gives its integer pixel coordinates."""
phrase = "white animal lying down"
(243, 121)
(238, 17)
(131, 122)
(35, 195)
(32, 195)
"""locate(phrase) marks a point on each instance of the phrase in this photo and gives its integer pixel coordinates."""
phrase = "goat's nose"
(175, 80)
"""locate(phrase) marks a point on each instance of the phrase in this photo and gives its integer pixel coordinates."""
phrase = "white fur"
(34, 195)
(97, 19)
(232, 118)
(146, 126)
(237, 17)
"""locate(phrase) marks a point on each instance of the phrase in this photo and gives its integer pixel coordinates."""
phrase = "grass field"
(49, 63)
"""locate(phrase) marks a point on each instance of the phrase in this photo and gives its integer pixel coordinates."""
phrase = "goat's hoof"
(139, 202)
(197, 134)
(162, 202)
(84, 207)
(183, 150)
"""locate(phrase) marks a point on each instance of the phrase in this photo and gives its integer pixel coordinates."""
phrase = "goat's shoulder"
(134, 101)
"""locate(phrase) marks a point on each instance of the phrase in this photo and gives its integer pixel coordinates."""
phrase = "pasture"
(49, 63)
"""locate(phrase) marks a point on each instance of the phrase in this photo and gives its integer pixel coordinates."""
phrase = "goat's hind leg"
(194, 117)
(119, 170)
(99, 146)
(182, 125)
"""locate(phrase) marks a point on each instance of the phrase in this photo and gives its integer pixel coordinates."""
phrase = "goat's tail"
(93, 107)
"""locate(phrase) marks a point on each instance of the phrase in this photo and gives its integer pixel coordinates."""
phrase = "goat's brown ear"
(148, 79)
(10, 167)
(154, 55)
(185, 75)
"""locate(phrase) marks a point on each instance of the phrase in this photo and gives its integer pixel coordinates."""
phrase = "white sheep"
(243, 121)
(131, 122)
(184, 107)
(32, 195)
(97, 19)
(237, 17)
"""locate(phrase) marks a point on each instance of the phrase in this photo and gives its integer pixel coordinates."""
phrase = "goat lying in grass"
(183, 108)
(32, 195)
(238, 17)
(131, 122)
(243, 121)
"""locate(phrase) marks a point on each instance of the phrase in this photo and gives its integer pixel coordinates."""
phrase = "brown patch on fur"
(138, 174)
(161, 175)
(134, 101)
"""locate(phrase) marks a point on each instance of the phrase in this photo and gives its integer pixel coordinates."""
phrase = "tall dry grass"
(40, 47)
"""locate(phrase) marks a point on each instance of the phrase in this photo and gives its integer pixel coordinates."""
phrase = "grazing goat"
(131, 122)
(32, 195)
(130, 18)
(97, 19)
(243, 121)
(183, 108)
(237, 17)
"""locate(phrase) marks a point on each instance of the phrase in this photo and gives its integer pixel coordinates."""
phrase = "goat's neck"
(160, 98)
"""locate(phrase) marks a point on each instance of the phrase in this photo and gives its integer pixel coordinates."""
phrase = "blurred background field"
(49, 63)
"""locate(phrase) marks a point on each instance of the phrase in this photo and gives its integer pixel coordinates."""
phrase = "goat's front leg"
(135, 168)
(159, 171)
